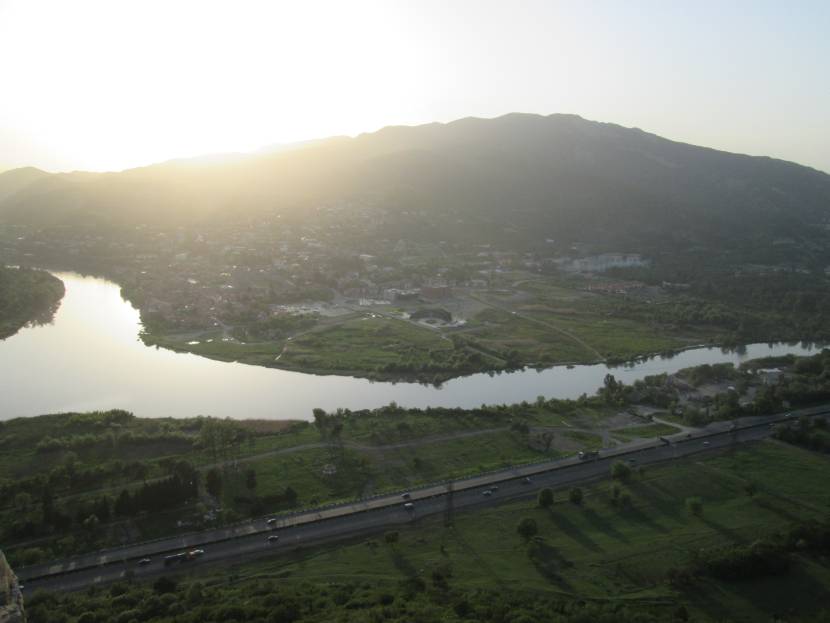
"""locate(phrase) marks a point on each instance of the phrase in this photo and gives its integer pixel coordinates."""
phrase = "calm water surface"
(90, 357)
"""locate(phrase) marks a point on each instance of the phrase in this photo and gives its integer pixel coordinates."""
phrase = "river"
(90, 358)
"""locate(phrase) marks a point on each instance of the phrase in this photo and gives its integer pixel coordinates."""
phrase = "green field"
(599, 561)
(368, 344)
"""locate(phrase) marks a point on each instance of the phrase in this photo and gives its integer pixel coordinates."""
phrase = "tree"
(91, 523)
(124, 504)
(695, 506)
(575, 496)
(391, 537)
(545, 498)
(22, 502)
(751, 489)
(620, 471)
(527, 528)
(213, 482)
(250, 479)
(165, 585)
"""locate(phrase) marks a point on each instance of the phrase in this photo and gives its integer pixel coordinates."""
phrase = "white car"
(487, 493)
(273, 538)
(144, 561)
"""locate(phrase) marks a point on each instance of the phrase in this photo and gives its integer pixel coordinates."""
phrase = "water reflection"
(90, 357)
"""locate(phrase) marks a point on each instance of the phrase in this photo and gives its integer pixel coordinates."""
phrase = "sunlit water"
(90, 357)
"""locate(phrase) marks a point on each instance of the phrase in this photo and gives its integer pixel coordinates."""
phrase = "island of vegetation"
(27, 296)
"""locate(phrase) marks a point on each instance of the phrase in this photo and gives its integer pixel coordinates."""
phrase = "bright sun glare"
(148, 81)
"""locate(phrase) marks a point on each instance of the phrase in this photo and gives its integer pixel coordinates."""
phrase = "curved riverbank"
(27, 297)
(91, 357)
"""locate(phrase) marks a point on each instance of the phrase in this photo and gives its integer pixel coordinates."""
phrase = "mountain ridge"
(557, 173)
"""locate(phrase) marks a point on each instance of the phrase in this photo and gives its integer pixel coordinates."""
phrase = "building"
(601, 263)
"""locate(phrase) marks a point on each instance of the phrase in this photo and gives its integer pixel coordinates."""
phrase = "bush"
(575, 496)
(527, 527)
(694, 506)
(164, 585)
(620, 471)
(545, 498)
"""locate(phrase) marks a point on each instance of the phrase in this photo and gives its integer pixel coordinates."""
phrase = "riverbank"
(27, 297)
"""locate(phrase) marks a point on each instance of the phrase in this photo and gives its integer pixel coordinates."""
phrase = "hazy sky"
(110, 84)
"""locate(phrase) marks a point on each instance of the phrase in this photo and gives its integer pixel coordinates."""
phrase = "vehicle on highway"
(144, 561)
(195, 553)
(273, 538)
(271, 521)
(174, 558)
(705, 443)
(494, 488)
(585, 456)
(409, 506)
(526, 480)
(487, 493)
(406, 495)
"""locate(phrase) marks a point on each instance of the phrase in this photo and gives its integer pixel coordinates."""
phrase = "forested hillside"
(513, 180)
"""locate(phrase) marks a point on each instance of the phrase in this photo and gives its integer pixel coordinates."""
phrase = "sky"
(113, 84)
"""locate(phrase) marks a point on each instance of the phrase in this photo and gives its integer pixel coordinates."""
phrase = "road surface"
(375, 514)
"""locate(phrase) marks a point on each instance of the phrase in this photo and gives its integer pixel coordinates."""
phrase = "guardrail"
(310, 516)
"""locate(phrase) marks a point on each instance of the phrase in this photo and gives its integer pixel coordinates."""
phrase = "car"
(494, 488)
(144, 561)
(487, 493)
(273, 538)
(632, 461)
(406, 495)
(195, 552)
(705, 443)
(526, 480)
(271, 521)
(409, 506)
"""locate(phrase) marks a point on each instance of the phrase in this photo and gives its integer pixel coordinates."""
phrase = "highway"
(373, 515)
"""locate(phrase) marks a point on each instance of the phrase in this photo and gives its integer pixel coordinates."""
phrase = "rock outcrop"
(11, 599)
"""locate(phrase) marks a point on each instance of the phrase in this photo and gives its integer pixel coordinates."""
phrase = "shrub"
(620, 471)
(695, 506)
(527, 527)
